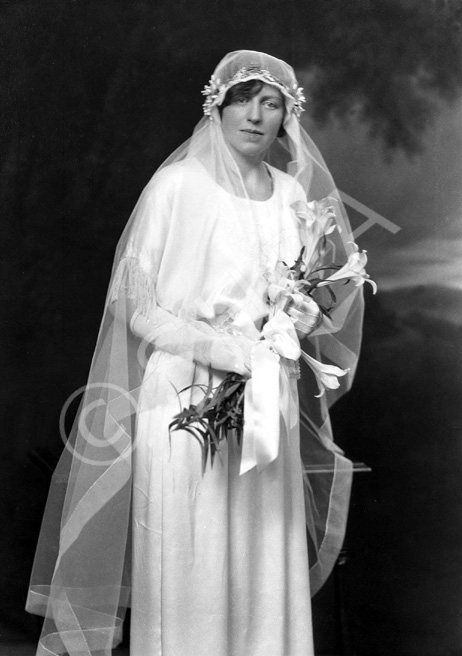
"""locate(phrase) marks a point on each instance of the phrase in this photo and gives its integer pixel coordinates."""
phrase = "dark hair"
(248, 90)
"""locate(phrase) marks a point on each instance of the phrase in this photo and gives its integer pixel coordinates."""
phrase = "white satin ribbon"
(262, 392)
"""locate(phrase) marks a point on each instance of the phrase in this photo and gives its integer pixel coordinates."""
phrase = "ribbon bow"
(262, 392)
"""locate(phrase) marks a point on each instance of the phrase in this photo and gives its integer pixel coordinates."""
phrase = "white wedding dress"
(220, 564)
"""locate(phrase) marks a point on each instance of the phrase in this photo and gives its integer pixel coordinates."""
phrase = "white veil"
(81, 577)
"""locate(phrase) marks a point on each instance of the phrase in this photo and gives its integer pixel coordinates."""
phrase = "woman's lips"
(255, 133)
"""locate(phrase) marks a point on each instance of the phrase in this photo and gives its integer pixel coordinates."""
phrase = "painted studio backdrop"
(95, 94)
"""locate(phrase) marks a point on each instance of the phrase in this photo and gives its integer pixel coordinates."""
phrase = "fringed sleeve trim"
(136, 285)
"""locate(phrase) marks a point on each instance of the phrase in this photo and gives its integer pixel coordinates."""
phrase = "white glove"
(196, 340)
(308, 316)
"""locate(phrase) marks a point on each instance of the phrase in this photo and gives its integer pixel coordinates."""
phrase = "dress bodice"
(216, 258)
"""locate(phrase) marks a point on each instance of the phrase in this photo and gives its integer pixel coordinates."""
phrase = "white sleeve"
(195, 340)
(140, 249)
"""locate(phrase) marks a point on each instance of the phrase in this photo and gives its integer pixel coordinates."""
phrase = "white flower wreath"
(215, 91)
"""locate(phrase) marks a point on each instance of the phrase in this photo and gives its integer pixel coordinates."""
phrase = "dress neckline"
(246, 198)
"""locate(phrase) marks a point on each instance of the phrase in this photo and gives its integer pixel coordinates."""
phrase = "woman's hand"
(231, 353)
(307, 315)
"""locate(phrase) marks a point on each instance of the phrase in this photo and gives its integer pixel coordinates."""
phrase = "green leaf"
(218, 415)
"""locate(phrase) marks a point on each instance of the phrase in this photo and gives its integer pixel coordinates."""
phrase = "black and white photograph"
(231, 328)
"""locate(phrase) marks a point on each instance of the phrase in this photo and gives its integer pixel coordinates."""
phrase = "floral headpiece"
(215, 91)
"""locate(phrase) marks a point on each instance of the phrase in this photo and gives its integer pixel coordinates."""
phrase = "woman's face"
(251, 124)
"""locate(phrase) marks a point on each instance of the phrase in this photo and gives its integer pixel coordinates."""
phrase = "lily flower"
(354, 270)
(283, 287)
(319, 220)
(326, 374)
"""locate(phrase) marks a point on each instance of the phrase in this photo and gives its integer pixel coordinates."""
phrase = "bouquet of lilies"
(289, 285)
(221, 410)
(308, 273)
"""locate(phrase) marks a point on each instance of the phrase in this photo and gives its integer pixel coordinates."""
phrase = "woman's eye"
(271, 104)
(241, 100)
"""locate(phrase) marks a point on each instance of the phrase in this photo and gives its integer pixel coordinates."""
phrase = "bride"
(213, 559)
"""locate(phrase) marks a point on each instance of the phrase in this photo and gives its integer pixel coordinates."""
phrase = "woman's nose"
(254, 114)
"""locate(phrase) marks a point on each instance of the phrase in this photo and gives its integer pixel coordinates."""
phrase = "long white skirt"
(220, 562)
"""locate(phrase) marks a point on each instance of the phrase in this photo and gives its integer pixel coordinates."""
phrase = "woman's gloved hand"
(307, 315)
(231, 353)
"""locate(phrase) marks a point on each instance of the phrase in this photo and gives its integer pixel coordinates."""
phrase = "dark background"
(94, 95)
